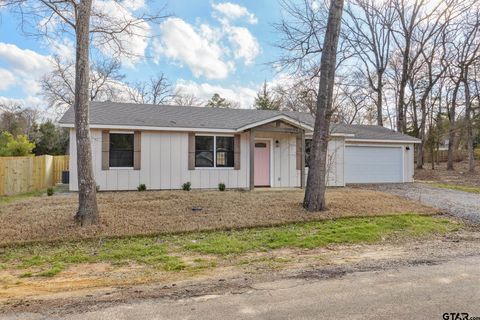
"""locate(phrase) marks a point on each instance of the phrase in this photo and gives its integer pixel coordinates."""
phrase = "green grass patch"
(470, 189)
(317, 234)
(167, 252)
(53, 270)
(20, 196)
(51, 259)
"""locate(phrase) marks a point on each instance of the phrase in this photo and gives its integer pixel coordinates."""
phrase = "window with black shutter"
(121, 150)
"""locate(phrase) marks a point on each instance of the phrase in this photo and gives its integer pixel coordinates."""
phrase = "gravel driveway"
(458, 203)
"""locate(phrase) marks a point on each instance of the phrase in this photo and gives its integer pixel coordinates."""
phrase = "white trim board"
(150, 128)
(285, 118)
(382, 141)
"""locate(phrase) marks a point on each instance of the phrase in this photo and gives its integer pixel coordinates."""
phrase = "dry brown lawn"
(155, 212)
(459, 176)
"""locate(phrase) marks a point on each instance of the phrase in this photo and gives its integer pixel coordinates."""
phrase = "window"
(214, 151)
(121, 150)
(308, 146)
(224, 148)
(204, 151)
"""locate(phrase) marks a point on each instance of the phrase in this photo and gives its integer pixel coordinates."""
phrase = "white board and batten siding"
(164, 164)
(378, 163)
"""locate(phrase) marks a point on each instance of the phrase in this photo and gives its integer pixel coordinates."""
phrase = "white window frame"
(120, 132)
(214, 151)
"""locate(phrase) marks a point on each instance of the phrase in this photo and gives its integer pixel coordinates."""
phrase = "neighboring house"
(165, 146)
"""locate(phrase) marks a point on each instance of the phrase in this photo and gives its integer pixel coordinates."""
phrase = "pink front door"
(262, 164)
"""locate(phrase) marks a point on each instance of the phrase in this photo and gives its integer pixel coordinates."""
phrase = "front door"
(262, 163)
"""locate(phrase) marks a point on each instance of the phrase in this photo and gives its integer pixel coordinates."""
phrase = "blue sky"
(204, 47)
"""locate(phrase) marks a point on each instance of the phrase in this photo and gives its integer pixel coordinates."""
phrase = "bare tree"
(352, 101)
(369, 24)
(157, 90)
(465, 47)
(58, 87)
(111, 29)
(316, 183)
(417, 22)
(180, 98)
(300, 96)
(432, 68)
(17, 119)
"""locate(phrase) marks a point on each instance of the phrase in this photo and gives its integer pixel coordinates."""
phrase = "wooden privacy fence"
(60, 163)
(24, 174)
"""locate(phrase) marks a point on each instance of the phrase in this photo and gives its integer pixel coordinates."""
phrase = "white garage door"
(367, 164)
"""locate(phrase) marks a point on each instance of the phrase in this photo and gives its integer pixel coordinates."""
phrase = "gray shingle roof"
(130, 114)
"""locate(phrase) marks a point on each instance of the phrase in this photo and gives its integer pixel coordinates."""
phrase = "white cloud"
(26, 61)
(28, 102)
(133, 4)
(207, 51)
(245, 96)
(227, 11)
(6, 79)
(198, 49)
(64, 48)
(245, 45)
(132, 42)
(26, 65)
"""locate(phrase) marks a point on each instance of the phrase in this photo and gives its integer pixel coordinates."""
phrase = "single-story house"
(166, 146)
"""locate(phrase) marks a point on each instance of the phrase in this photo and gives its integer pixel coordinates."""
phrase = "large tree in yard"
(316, 183)
(111, 25)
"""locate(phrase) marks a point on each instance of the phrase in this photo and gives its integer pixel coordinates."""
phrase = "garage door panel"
(367, 164)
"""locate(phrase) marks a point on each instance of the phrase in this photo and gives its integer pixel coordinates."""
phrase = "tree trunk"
(316, 183)
(421, 133)
(401, 122)
(451, 127)
(379, 98)
(468, 119)
(87, 198)
(432, 156)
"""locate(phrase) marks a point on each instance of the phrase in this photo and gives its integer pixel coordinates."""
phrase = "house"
(165, 146)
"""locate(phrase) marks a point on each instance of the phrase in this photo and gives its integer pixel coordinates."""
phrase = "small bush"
(142, 187)
(97, 188)
(221, 186)
(50, 191)
(186, 186)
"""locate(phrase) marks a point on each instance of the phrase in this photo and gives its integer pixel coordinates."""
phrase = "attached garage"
(374, 164)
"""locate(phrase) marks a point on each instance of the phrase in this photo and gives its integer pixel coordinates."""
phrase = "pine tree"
(218, 102)
(264, 101)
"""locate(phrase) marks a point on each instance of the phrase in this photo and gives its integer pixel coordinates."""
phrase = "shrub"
(142, 187)
(186, 186)
(14, 147)
(221, 186)
(97, 188)
(50, 192)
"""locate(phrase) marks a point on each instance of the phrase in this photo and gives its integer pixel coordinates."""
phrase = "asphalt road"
(411, 292)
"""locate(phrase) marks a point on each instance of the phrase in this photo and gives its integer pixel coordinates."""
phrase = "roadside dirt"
(88, 287)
